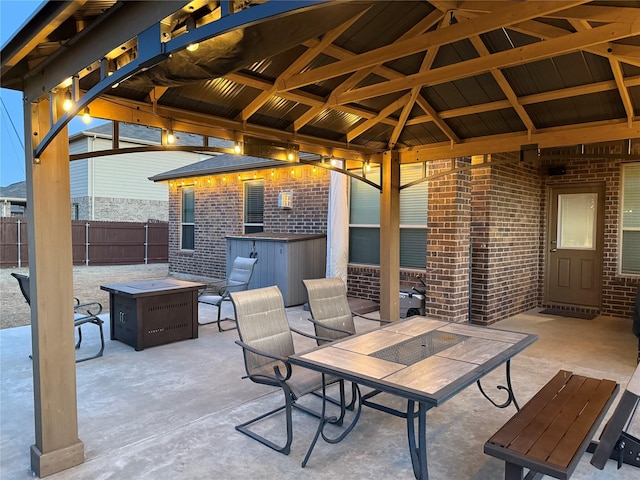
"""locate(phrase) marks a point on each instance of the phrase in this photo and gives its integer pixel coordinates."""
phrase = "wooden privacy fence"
(94, 243)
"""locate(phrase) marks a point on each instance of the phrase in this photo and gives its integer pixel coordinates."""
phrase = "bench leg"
(515, 472)
(512, 471)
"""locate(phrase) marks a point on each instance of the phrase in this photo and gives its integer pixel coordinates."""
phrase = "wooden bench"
(552, 431)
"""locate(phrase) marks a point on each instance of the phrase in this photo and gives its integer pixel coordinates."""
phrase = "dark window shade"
(187, 233)
(630, 251)
(253, 206)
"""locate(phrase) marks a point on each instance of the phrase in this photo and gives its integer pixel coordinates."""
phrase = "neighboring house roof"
(218, 165)
(15, 193)
(149, 135)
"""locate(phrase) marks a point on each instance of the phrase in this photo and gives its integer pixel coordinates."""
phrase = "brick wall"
(618, 292)
(449, 222)
(219, 211)
(498, 212)
(505, 233)
(119, 209)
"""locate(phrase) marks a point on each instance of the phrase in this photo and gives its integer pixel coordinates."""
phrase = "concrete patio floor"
(169, 412)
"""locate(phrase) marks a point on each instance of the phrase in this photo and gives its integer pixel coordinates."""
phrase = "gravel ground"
(14, 312)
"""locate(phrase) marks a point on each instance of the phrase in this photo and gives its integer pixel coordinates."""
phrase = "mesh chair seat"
(267, 342)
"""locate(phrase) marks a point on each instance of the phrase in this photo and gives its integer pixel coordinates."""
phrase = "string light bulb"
(67, 103)
(86, 115)
(171, 138)
(237, 148)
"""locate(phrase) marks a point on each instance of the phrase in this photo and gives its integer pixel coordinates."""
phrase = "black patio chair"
(267, 342)
(83, 313)
(237, 281)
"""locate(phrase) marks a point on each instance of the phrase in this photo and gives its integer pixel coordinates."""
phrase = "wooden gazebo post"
(390, 237)
(57, 446)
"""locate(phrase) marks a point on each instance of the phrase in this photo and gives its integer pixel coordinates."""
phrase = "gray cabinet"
(283, 260)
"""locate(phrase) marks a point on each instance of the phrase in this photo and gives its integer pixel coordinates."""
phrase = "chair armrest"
(276, 369)
(87, 319)
(310, 335)
(333, 329)
(89, 308)
(355, 314)
(215, 287)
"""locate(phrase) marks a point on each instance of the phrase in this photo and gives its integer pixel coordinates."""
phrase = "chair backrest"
(329, 306)
(25, 286)
(241, 273)
(262, 324)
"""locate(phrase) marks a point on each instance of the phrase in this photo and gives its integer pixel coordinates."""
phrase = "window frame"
(183, 191)
(404, 227)
(625, 167)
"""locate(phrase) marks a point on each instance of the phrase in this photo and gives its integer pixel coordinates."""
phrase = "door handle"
(553, 250)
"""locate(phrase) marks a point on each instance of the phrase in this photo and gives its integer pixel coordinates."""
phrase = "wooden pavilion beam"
(301, 62)
(507, 58)
(544, 138)
(506, 16)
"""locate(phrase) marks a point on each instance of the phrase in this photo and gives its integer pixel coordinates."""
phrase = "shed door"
(574, 245)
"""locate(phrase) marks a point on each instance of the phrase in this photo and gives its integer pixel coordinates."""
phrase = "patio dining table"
(423, 360)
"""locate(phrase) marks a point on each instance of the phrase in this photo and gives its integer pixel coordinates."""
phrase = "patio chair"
(267, 342)
(331, 316)
(237, 281)
(332, 319)
(83, 313)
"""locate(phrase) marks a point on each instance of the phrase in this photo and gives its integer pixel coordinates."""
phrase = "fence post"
(19, 246)
(146, 243)
(86, 244)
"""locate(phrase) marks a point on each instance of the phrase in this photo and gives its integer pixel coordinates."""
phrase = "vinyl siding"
(78, 174)
(127, 175)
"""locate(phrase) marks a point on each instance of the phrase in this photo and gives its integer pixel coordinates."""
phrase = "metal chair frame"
(83, 313)
(238, 280)
(281, 341)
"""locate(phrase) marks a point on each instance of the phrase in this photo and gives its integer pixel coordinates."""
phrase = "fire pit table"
(153, 312)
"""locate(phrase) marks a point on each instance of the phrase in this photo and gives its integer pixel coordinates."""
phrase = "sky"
(13, 14)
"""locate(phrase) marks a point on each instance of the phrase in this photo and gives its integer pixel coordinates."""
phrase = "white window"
(253, 206)
(364, 220)
(630, 221)
(187, 219)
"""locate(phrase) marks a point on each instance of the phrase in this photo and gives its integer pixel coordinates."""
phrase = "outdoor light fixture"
(86, 115)
(290, 155)
(237, 148)
(191, 26)
(171, 138)
(333, 162)
(367, 166)
(67, 103)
